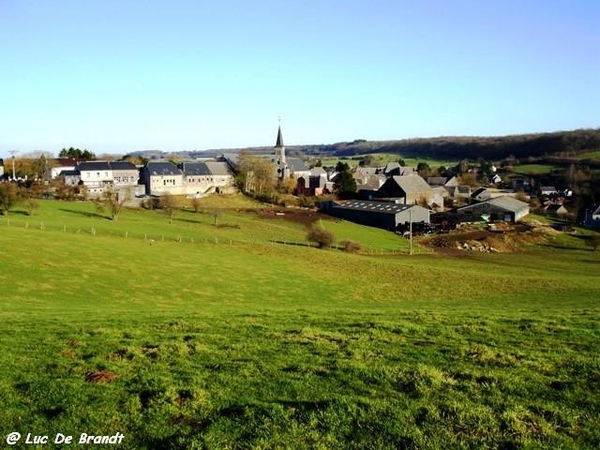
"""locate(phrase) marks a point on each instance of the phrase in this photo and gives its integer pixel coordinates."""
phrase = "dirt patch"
(304, 216)
(503, 239)
(100, 376)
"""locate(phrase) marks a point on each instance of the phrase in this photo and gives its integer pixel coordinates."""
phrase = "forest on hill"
(563, 143)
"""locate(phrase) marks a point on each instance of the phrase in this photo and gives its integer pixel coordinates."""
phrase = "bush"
(306, 202)
(322, 237)
(287, 200)
(351, 246)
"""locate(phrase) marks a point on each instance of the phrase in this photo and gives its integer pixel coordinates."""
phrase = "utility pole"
(12, 152)
(410, 230)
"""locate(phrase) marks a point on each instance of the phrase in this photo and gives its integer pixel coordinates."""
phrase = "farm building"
(555, 209)
(161, 177)
(507, 209)
(410, 189)
(377, 214)
(591, 217)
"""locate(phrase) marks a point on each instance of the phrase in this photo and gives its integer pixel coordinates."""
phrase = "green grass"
(590, 155)
(381, 159)
(534, 169)
(256, 345)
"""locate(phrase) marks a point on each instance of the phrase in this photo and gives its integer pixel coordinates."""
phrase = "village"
(394, 196)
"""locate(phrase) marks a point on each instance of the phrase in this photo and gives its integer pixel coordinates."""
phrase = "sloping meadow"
(201, 344)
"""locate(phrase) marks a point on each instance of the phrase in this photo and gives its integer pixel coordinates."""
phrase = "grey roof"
(122, 165)
(194, 168)
(554, 207)
(547, 189)
(464, 189)
(162, 168)
(452, 182)
(297, 165)
(93, 165)
(378, 207)
(368, 171)
(436, 181)
(69, 173)
(441, 190)
(508, 203)
(391, 166)
(478, 192)
(504, 203)
(412, 183)
(217, 168)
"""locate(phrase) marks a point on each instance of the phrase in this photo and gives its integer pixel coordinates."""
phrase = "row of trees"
(76, 153)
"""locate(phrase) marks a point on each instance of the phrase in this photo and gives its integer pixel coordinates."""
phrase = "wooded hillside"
(564, 143)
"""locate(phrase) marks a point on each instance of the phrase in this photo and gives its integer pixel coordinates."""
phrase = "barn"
(384, 215)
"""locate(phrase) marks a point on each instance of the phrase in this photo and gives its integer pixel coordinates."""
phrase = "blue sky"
(118, 76)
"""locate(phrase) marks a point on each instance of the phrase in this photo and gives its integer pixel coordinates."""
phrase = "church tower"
(283, 170)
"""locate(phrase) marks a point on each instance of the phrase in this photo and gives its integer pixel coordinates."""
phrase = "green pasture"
(534, 169)
(239, 343)
(589, 155)
(381, 159)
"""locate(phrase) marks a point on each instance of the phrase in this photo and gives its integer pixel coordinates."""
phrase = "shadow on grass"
(561, 247)
(85, 213)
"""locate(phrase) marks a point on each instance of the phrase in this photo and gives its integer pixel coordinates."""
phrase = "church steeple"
(279, 142)
(282, 169)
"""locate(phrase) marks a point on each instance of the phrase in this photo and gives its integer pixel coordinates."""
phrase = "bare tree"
(322, 237)
(196, 204)
(114, 200)
(170, 204)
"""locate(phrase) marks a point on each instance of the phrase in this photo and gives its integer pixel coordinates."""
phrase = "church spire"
(283, 170)
(279, 142)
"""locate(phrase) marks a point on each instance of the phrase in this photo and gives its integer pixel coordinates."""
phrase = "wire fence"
(155, 237)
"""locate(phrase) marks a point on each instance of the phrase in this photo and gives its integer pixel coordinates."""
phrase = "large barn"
(507, 209)
(377, 214)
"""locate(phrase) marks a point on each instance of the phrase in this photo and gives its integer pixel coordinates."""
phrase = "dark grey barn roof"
(93, 165)
(379, 207)
(162, 168)
(194, 168)
(122, 165)
(217, 168)
(297, 165)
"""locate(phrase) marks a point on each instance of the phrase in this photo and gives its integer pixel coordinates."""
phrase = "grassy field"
(589, 155)
(191, 342)
(381, 159)
(534, 169)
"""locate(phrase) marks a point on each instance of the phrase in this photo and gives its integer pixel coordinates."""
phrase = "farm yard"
(203, 333)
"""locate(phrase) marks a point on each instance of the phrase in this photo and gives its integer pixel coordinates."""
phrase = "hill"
(562, 143)
(196, 335)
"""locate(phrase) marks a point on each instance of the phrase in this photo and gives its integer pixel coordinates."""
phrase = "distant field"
(590, 155)
(534, 169)
(382, 159)
(216, 338)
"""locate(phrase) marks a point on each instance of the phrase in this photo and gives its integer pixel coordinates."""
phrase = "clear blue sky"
(117, 76)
